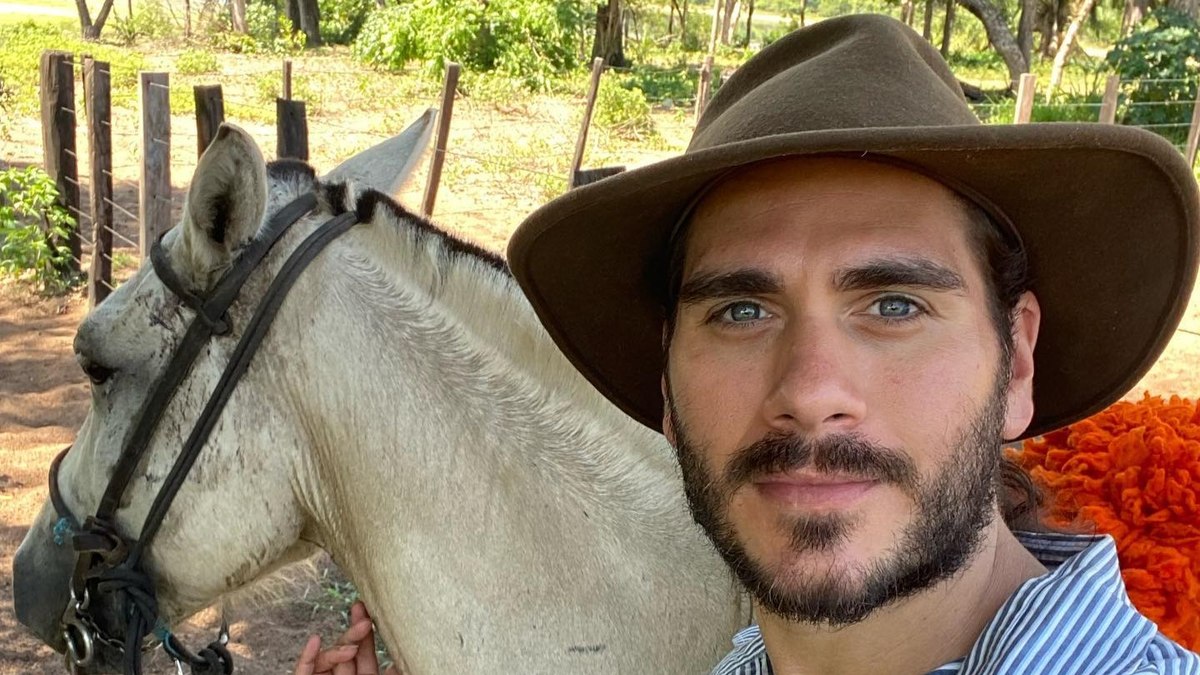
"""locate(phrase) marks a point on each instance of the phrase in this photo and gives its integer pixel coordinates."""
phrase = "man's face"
(836, 390)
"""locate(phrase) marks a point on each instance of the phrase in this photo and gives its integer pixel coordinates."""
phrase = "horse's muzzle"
(41, 575)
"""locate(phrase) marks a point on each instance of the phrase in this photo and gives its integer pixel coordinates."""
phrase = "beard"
(952, 509)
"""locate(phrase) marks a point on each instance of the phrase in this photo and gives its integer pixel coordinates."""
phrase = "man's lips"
(814, 491)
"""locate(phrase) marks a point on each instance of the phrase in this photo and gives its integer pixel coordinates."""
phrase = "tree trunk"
(607, 44)
(999, 35)
(1064, 50)
(293, 13)
(237, 15)
(671, 17)
(683, 23)
(1134, 11)
(906, 12)
(716, 26)
(85, 19)
(749, 20)
(310, 22)
(1025, 29)
(731, 6)
(187, 18)
(89, 28)
(928, 31)
(1189, 7)
(804, 8)
(947, 29)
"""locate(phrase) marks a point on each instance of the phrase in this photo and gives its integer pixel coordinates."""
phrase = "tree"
(947, 29)
(1000, 36)
(1064, 49)
(91, 29)
(310, 21)
(608, 43)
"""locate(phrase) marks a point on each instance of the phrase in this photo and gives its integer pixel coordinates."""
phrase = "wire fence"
(504, 158)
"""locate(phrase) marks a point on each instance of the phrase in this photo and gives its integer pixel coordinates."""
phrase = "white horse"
(408, 414)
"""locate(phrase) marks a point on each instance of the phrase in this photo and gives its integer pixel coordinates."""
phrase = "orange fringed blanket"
(1134, 471)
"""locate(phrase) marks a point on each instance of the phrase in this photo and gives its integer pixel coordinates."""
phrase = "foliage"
(23, 44)
(527, 39)
(196, 62)
(341, 20)
(150, 22)
(8, 103)
(661, 84)
(1159, 63)
(623, 110)
(29, 218)
(267, 32)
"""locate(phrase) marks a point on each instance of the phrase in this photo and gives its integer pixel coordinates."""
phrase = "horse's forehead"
(131, 307)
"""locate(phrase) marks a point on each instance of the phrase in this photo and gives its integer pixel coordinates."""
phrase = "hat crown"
(865, 71)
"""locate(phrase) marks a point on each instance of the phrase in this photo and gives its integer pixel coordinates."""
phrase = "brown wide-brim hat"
(1107, 214)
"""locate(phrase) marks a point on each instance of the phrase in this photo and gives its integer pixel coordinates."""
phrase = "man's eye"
(742, 312)
(896, 307)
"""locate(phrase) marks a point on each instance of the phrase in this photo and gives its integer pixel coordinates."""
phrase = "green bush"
(659, 84)
(531, 40)
(196, 62)
(30, 218)
(623, 111)
(150, 22)
(1159, 63)
(341, 20)
(267, 32)
(23, 44)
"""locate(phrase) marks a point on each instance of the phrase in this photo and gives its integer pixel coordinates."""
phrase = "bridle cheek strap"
(105, 562)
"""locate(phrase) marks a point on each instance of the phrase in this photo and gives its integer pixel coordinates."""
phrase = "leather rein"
(106, 563)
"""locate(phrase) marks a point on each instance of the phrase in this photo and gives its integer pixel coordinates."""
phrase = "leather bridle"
(107, 563)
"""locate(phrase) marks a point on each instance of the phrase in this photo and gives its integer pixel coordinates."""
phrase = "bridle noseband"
(108, 564)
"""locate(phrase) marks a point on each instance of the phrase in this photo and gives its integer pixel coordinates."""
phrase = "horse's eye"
(97, 373)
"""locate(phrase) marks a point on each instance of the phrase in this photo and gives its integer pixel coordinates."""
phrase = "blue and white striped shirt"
(1076, 619)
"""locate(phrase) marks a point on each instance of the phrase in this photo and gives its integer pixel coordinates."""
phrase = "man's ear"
(668, 423)
(1027, 319)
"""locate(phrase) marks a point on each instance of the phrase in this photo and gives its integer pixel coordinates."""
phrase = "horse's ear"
(225, 202)
(385, 167)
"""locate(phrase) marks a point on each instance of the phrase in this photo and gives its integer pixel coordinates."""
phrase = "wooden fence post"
(97, 92)
(1108, 107)
(58, 140)
(1025, 92)
(287, 80)
(581, 141)
(154, 198)
(210, 113)
(443, 135)
(702, 87)
(291, 129)
(1193, 138)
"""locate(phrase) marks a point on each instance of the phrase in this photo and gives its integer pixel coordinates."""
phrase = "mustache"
(849, 454)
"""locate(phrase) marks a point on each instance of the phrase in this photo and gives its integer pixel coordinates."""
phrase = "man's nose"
(818, 383)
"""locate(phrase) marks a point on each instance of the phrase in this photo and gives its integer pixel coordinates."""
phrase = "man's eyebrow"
(709, 286)
(917, 272)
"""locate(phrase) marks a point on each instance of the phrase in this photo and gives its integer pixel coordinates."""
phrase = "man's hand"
(353, 654)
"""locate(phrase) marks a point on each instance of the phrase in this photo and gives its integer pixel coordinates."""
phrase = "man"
(842, 292)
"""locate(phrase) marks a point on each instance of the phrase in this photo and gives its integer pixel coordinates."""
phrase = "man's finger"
(329, 659)
(354, 634)
(306, 664)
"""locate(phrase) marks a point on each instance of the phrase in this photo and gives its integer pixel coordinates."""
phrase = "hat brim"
(1107, 215)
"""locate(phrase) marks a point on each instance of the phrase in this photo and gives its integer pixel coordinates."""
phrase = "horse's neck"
(458, 448)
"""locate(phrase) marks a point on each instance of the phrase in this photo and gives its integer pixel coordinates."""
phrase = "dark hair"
(1006, 273)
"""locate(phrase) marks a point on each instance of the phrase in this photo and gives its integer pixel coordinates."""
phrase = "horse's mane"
(404, 250)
